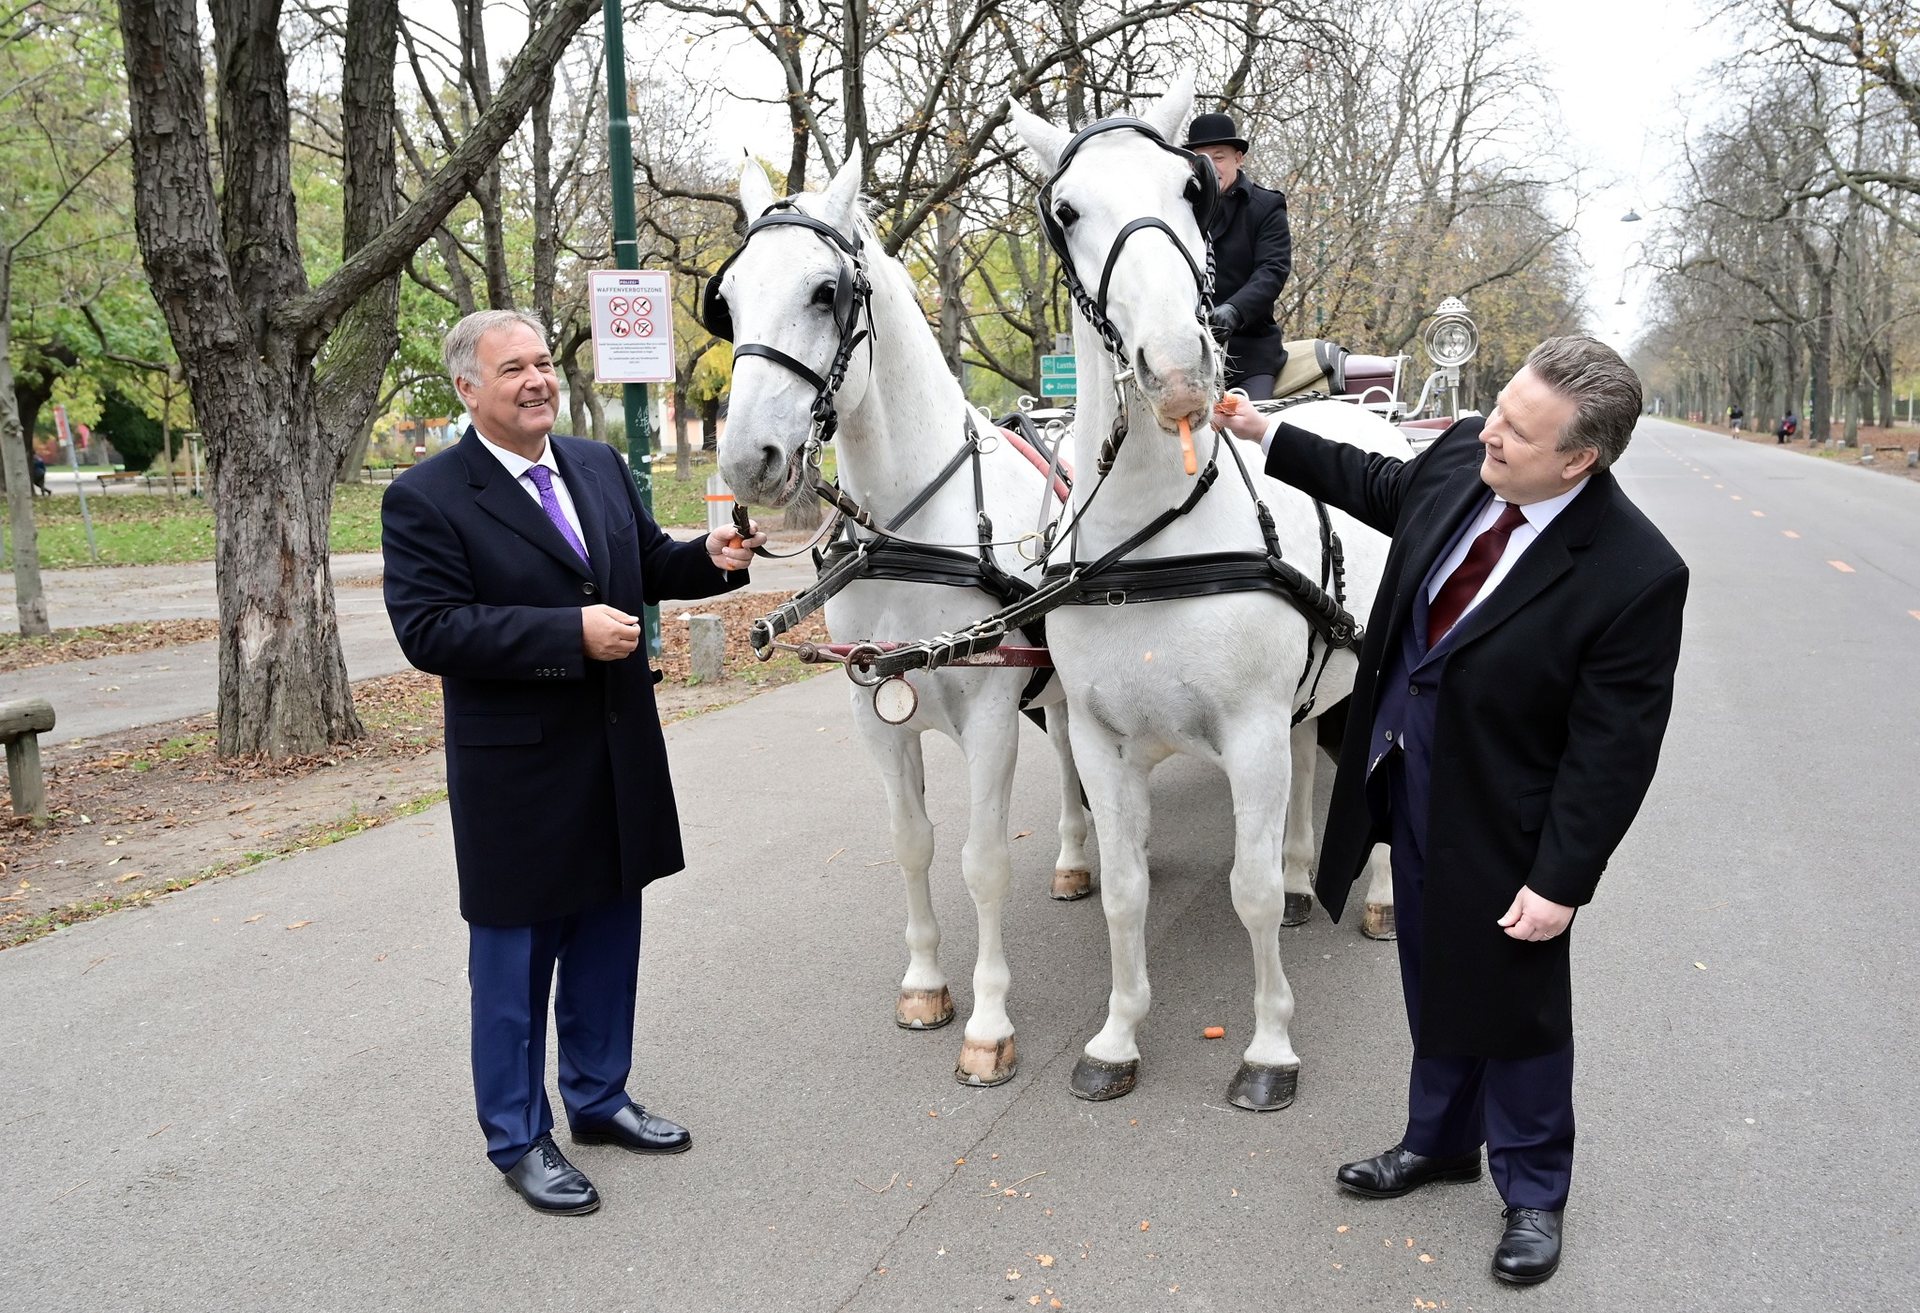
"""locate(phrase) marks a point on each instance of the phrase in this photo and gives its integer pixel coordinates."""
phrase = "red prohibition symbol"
(644, 327)
(621, 328)
(618, 306)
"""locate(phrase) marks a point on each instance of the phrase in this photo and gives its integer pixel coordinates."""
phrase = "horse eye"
(1192, 191)
(823, 294)
(1066, 214)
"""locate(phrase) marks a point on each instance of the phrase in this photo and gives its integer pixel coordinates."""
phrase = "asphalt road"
(205, 1108)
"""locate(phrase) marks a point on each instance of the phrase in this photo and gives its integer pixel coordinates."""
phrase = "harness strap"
(780, 357)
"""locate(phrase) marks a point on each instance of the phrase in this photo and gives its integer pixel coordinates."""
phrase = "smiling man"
(516, 566)
(1514, 686)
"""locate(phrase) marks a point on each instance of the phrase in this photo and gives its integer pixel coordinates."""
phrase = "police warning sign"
(632, 326)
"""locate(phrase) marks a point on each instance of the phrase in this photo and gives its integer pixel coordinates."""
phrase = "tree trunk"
(682, 448)
(710, 424)
(30, 601)
(347, 389)
(1820, 350)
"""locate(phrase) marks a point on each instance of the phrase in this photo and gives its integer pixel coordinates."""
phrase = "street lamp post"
(626, 255)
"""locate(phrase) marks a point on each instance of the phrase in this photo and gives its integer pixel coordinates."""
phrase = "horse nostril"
(772, 458)
(1142, 370)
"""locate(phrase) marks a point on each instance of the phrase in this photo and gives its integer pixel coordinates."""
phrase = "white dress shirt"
(518, 465)
(1539, 515)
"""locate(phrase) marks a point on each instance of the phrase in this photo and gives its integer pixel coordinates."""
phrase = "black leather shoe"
(1529, 1252)
(551, 1184)
(633, 1127)
(1397, 1171)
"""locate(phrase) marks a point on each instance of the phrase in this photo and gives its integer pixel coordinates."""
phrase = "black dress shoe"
(551, 1184)
(1397, 1171)
(1529, 1252)
(633, 1127)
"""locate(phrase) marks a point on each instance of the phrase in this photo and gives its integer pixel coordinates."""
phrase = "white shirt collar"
(516, 464)
(1541, 513)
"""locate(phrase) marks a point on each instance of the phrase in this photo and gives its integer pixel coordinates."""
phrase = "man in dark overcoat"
(1252, 258)
(1515, 681)
(516, 568)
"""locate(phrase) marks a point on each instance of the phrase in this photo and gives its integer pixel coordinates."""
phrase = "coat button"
(1389, 736)
(588, 587)
(1413, 690)
(613, 717)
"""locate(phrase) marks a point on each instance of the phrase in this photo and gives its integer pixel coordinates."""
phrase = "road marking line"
(1737, 497)
(1721, 487)
(1759, 515)
(1841, 566)
(1789, 533)
(1914, 614)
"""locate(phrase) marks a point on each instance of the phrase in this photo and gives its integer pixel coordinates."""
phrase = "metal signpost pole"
(626, 255)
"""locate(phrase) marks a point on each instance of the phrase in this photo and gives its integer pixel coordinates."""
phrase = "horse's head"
(790, 302)
(1124, 209)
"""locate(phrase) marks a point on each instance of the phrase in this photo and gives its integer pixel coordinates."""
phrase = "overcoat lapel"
(503, 499)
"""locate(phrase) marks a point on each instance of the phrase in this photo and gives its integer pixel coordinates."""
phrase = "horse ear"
(1169, 113)
(756, 191)
(1042, 138)
(837, 202)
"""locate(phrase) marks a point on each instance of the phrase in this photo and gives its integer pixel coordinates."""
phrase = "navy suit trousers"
(1520, 1108)
(511, 970)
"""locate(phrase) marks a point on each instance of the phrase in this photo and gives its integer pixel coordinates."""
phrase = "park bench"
(112, 477)
(22, 722)
(373, 472)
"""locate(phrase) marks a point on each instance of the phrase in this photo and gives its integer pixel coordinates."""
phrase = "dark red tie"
(1470, 575)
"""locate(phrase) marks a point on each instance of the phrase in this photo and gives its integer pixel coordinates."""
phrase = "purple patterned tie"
(543, 480)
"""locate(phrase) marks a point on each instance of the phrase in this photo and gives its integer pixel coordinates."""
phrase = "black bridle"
(1203, 194)
(852, 298)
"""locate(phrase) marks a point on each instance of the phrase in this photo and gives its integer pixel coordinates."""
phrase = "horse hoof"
(1298, 908)
(1378, 922)
(1260, 1088)
(1071, 886)
(923, 1009)
(982, 1063)
(1099, 1081)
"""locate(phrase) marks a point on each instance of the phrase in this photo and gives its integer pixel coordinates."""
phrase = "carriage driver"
(1252, 254)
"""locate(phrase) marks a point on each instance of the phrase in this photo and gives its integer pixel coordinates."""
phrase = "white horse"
(1218, 676)
(791, 289)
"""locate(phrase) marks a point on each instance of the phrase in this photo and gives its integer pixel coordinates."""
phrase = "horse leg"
(991, 744)
(1378, 922)
(1117, 786)
(924, 1002)
(1269, 1071)
(1072, 869)
(1297, 853)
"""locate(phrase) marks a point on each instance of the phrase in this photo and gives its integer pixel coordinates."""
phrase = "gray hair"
(1603, 388)
(461, 350)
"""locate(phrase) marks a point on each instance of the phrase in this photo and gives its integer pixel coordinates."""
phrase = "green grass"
(151, 528)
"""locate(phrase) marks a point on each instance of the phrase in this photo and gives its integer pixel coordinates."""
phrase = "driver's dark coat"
(556, 768)
(1549, 714)
(1252, 260)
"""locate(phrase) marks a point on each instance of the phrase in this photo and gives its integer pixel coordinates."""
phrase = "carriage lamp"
(1451, 338)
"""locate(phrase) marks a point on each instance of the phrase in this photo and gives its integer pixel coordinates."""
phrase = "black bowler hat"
(1215, 130)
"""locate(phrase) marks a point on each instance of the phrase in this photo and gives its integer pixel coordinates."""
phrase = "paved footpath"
(206, 1108)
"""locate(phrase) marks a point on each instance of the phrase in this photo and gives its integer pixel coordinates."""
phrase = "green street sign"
(1057, 377)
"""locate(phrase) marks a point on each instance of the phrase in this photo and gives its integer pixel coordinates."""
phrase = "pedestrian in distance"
(516, 567)
(1252, 259)
(1734, 416)
(1515, 681)
(1788, 426)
